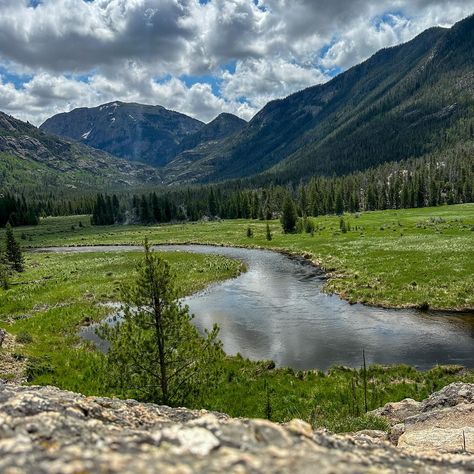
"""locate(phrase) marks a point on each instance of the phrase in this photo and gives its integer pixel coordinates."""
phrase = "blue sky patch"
(213, 81)
(18, 80)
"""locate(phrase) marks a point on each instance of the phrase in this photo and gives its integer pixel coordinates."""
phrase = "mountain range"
(403, 102)
(146, 133)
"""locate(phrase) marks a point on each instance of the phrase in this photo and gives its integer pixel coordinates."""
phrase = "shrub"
(24, 337)
(38, 366)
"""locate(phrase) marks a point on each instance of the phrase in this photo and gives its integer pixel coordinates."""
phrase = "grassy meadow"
(57, 294)
(396, 258)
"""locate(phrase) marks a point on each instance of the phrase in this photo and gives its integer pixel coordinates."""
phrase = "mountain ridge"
(125, 129)
(396, 105)
(403, 102)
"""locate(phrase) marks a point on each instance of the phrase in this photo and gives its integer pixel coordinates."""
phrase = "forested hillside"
(436, 179)
(404, 102)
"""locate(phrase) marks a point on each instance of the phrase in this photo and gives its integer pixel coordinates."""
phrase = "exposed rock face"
(443, 422)
(46, 430)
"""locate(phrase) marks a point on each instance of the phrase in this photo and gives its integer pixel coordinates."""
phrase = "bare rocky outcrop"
(46, 430)
(443, 422)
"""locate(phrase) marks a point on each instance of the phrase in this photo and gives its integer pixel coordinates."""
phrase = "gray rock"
(398, 411)
(443, 422)
(46, 430)
(451, 395)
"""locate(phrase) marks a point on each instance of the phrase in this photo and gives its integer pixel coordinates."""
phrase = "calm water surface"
(276, 310)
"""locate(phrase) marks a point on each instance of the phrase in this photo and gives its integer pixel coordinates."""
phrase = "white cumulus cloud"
(60, 54)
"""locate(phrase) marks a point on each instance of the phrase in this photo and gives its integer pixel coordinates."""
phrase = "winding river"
(276, 310)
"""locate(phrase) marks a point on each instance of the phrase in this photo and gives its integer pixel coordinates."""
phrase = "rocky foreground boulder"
(443, 422)
(47, 430)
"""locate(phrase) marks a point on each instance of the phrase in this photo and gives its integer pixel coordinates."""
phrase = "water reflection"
(276, 310)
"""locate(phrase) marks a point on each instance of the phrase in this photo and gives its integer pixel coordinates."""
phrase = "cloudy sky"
(200, 57)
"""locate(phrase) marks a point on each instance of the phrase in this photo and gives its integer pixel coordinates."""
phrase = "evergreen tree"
(289, 215)
(339, 204)
(156, 208)
(212, 204)
(255, 206)
(168, 211)
(303, 201)
(155, 353)
(17, 211)
(145, 212)
(13, 253)
(268, 233)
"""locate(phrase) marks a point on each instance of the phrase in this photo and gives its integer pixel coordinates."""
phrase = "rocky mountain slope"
(144, 133)
(196, 147)
(46, 430)
(403, 102)
(30, 157)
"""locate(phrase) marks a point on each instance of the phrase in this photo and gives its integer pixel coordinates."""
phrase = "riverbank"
(59, 293)
(276, 311)
(396, 259)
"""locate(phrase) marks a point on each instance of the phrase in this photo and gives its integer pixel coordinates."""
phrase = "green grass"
(334, 400)
(403, 258)
(57, 294)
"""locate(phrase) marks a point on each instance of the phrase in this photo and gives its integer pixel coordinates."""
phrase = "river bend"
(277, 310)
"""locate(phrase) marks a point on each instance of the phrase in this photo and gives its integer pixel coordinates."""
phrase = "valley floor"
(396, 258)
(47, 304)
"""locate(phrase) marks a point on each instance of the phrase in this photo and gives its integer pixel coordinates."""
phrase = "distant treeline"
(438, 179)
(17, 211)
(430, 181)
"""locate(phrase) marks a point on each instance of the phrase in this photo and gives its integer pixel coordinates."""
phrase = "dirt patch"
(12, 367)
